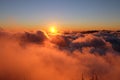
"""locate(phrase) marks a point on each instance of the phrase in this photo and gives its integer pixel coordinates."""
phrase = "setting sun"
(53, 30)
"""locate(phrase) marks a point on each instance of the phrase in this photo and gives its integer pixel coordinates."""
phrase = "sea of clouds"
(88, 55)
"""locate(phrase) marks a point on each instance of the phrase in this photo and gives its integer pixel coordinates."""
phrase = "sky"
(72, 14)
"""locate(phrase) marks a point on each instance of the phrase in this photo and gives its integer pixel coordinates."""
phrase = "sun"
(53, 30)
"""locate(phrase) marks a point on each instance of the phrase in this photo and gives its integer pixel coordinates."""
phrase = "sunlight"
(53, 30)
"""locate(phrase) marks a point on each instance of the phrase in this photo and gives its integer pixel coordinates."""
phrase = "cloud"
(60, 41)
(45, 60)
(113, 37)
(95, 43)
(27, 38)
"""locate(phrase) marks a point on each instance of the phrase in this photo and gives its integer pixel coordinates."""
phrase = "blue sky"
(63, 12)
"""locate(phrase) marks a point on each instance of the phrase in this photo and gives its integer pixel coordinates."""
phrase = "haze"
(77, 14)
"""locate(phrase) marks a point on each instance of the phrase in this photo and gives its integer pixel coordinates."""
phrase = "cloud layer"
(91, 55)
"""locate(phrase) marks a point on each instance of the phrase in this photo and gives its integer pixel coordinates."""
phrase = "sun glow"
(53, 30)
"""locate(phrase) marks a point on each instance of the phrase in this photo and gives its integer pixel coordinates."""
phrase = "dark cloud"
(95, 43)
(61, 41)
(35, 38)
(112, 37)
(89, 32)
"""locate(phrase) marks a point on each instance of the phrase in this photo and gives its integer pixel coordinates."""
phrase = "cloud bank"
(73, 56)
